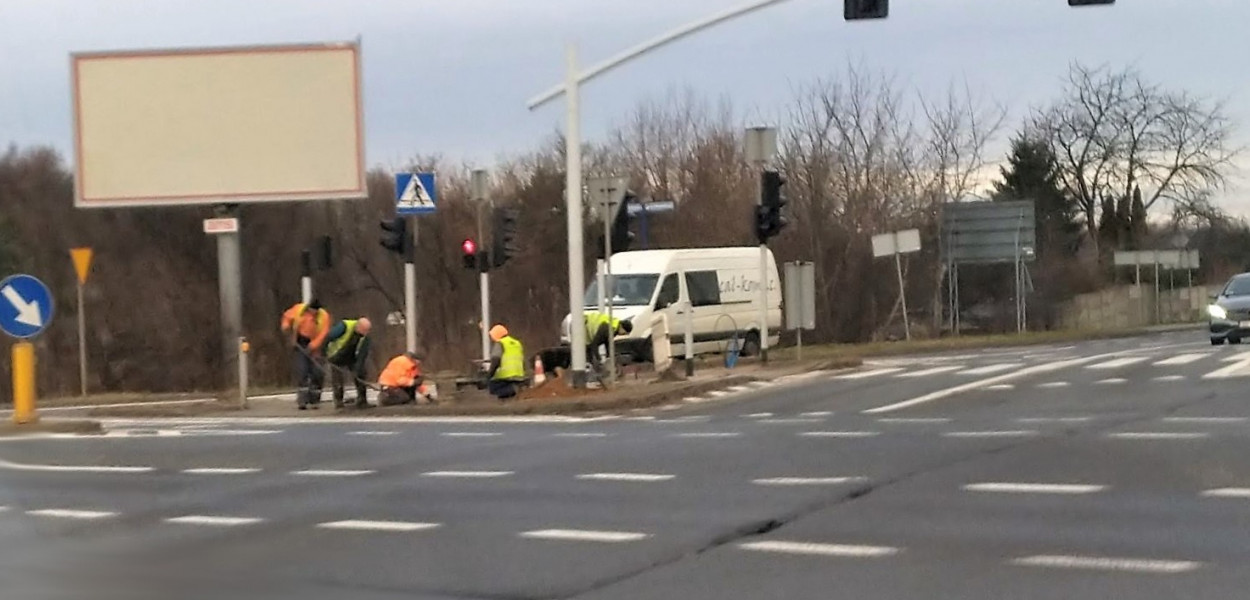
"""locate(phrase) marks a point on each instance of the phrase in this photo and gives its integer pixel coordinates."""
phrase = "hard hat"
(498, 332)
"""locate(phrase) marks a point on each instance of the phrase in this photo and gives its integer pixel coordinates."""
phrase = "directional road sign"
(415, 194)
(25, 306)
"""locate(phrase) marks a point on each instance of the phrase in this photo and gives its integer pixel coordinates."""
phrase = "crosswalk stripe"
(932, 371)
(1235, 369)
(64, 513)
(213, 521)
(1182, 359)
(1100, 563)
(846, 550)
(400, 526)
(467, 474)
(579, 535)
(987, 369)
(1117, 362)
(630, 477)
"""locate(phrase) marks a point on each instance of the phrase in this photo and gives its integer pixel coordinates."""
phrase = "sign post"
(898, 243)
(800, 299)
(415, 195)
(609, 193)
(25, 311)
(761, 147)
(480, 190)
(82, 266)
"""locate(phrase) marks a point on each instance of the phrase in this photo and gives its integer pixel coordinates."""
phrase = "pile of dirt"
(556, 387)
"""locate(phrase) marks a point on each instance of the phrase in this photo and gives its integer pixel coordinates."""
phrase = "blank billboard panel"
(218, 126)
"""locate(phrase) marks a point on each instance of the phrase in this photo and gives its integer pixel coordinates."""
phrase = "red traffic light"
(469, 247)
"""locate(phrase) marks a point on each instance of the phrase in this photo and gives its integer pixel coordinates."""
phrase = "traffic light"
(395, 237)
(468, 251)
(769, 221)
(622, 237)
(505, 246)
(855, 10)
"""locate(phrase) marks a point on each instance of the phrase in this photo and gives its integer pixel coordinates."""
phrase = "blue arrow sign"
(415, 194)
(25, 306)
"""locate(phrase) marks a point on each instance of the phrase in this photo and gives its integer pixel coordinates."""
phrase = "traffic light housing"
(855, 10)
(622, 237)
(769, 220)
(395, 237)
(505, 243)
(468, 251)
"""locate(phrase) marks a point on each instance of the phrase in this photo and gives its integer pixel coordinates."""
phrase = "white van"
(722, 284)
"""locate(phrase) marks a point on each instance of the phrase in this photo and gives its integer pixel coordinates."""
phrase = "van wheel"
(751, 346)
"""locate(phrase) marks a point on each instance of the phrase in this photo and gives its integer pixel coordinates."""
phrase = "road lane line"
(1054, 419)
(584, 535)
(1182, 359)
(581, 434)
(931, 371)
(1034, 488)
(844, 550)
(631, 477)
(66, 513)
(1118, 362)
(398, 526)
(840, 434)
(1111, 381)
(1204, 419)
(870, 373)
(221, 471)
(332, 473)
(468, 474)
(1228, 493)
(14, 466)
(1102, 563)
(988, 369)
(786, 481)
(791, 420)
(1001, 387)
(1054, 384)
(1158, 435)
(759, 415)
(377, 433)
(915, 420)
(1169, 378)
(214, 521)
(989, 434)
(708, 434)
(817, 413)
(471, 434)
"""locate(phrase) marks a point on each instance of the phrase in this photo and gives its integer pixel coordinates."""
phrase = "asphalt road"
(1112, 469)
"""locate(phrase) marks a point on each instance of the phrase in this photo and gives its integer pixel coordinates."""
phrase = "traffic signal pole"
(483, 282)
(410, 289)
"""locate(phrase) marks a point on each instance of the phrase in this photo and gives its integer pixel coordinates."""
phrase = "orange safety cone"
(540, 376)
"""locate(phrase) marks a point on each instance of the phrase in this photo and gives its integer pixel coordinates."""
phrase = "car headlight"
(1217, 311)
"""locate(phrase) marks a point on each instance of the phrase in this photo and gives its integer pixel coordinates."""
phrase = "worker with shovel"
(347, 353)
(307, 326)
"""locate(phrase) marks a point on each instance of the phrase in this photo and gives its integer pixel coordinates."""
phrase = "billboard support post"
(230, 291)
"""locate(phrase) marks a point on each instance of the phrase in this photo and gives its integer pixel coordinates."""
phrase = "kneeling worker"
(401, 380)
(347, 352)
(507, 363)
(600, 329)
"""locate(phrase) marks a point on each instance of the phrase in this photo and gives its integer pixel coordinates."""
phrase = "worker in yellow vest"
(347, 353)
(307, 326)
(507, 363)
(600, 330)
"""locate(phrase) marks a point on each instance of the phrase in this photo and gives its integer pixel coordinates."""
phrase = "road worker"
(401, 381)
(507, 363)
(347, 352)
(306, 326)
(600, 330)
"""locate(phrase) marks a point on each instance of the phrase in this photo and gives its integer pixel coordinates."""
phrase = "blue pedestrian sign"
(415, 194)
(25, 306)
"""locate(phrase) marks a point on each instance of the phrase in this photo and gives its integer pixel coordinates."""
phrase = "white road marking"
(718, 393)
(632, 477)
(372, 421)
(468, 474)
(1118, 362)
(852, 551)
(214, 521)
(988, 369)
(1102, 563)
(379, 433)
(806, 480)
(13, 466)
(840, 434)
(1243, 493)
(1112, 381)
(1001, 386)
(791, 420)
(708, 434)
(221, 471)
(1054, 419)
(65, 513)
(760, 415)
(585, 535)
(332, 473)
(1158, 435)
(915, 420)
(1183, 359)
(471, 434)
(1034, 488)
(817, 413)
(1205, 419)
(870, 373)
(931, 371)
(738, 388)
(1054, 384)
(1240, 368)
(399, 526)
(989, 434)
(581, 434)
(1169, 378)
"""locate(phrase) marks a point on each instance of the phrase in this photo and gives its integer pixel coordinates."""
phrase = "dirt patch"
(556, 387)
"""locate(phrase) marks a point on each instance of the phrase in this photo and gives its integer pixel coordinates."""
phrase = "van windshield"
(628, 290)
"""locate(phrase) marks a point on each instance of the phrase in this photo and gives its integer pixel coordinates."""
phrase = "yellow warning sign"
(82, 262)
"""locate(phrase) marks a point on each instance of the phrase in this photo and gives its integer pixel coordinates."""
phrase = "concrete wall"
(1127, 307)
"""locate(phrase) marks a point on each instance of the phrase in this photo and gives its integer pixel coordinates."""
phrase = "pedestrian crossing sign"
(415, 194)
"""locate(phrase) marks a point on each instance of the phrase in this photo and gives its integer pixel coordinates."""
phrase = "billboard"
(218, 125)
(988, 232)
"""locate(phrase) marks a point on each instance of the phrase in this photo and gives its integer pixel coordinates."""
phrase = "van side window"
(703, 287)
(670, 293)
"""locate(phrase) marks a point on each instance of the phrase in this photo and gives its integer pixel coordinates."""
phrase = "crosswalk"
(1170, 367)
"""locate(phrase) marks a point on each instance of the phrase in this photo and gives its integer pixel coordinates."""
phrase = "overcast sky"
(452, 76)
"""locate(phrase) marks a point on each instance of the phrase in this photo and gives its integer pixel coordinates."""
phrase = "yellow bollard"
(24, 383)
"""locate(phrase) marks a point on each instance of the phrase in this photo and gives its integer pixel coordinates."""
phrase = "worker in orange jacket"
(402, 380)
(307, 326)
